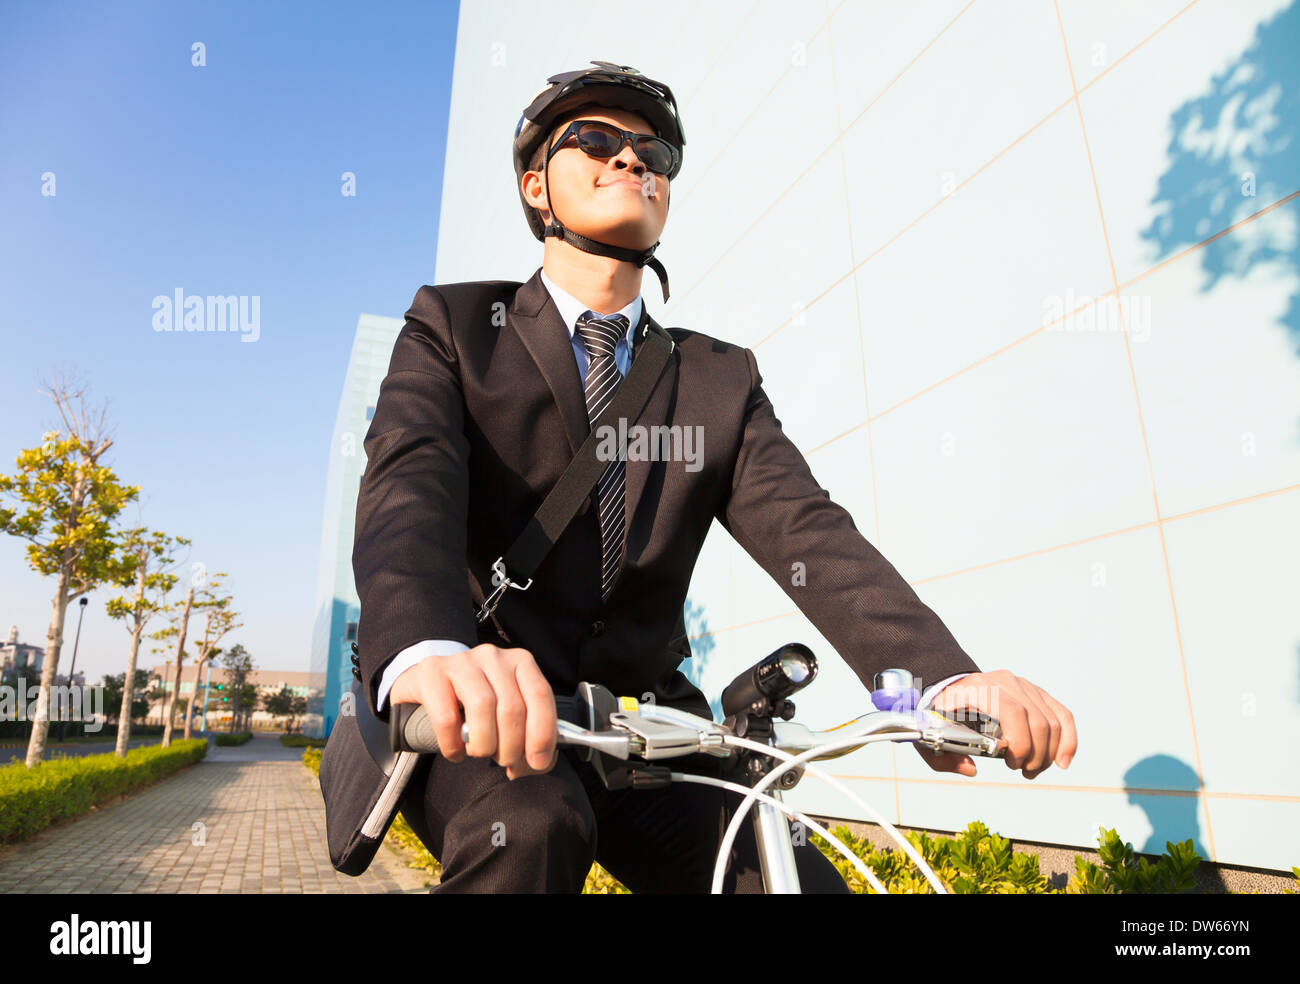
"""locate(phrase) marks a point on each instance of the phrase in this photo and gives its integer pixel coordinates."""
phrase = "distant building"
(220, 700)
(338, 609)
(15, 656)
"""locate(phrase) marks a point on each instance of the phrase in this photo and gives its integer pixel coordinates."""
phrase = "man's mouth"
(623, 181)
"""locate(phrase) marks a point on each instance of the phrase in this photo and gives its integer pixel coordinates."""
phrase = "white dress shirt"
(571, 309)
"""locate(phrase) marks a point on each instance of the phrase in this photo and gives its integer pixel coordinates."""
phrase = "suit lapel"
(537, 321)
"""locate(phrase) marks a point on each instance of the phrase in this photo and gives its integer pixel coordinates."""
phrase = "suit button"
(597, 628)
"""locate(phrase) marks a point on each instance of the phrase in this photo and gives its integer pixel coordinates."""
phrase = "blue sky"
(223, 179)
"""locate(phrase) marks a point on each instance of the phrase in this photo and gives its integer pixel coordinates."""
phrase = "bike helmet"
(616, 86)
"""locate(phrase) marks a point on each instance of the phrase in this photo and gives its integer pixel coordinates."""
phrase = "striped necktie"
(600, 335)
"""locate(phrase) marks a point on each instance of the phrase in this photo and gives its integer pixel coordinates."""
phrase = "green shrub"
(301, 741)
(238, 738)
(31, 800)
(975, 862)
(982, 863)
(1120, 873)
(601, 882)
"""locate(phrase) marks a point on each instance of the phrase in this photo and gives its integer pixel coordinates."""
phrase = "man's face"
(616, 201)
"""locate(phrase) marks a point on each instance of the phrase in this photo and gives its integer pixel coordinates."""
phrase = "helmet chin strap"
(640, 257)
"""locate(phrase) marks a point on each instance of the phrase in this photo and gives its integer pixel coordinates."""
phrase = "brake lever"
(609, 742)
(955, 733)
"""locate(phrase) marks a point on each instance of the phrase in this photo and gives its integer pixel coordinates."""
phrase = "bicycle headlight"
(770, 680)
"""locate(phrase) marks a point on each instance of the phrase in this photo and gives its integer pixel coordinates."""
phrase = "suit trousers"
(540, 833)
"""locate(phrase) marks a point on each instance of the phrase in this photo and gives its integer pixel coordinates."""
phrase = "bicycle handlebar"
(623, 727)
(654, 732)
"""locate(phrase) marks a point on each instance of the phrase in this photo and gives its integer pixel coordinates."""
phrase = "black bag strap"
(565, 498)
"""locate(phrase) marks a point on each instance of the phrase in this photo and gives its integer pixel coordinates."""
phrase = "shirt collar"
(571, 309)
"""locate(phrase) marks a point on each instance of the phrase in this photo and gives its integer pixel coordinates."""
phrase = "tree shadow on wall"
(697, 625)
(1235, 150)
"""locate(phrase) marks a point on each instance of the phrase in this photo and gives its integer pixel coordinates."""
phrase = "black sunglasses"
(603, 141)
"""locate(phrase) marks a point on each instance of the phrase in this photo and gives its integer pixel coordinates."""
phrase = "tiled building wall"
(1021, 279)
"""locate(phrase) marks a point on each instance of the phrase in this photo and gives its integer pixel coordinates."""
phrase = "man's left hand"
(1037, 730)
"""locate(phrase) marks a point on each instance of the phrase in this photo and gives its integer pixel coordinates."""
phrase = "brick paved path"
(256, 811)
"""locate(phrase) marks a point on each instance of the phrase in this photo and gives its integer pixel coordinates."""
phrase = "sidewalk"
(257, 815)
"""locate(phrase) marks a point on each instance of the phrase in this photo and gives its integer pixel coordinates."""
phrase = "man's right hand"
(506, 701)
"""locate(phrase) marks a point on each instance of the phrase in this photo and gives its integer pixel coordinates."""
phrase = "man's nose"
(627, 158)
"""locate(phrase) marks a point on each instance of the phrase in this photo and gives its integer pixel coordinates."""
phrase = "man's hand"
(508, 705)
(1037, 730)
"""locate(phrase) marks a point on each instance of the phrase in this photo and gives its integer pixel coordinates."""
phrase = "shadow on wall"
(1172, 817)
(701, 646)
(1234, 151)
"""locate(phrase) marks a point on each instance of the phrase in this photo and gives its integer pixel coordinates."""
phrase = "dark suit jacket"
(483, 408)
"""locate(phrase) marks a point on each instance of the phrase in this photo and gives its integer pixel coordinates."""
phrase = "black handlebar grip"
(411, 731)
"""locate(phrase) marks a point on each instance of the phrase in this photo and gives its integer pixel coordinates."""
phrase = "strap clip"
(501, 580)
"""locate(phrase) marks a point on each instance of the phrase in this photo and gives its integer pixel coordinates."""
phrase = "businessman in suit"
(489, 393)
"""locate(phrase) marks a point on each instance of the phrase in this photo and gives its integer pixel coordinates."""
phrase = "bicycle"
(624, 737)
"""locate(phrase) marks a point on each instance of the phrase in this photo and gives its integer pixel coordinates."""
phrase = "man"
(491, 388)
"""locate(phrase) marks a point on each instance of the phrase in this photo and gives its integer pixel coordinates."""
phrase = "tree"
(147, 562)
(68, 501)
(238, 664)
(205, 592)
(248, 701)
(279, 704)
(179, 628)
(114, 695)
(221, 621)
(285, 705)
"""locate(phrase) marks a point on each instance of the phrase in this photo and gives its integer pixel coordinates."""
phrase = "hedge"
(302, 741)
(31, 800)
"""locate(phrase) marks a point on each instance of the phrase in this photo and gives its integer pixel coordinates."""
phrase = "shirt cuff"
(933, 691)
(411, 655)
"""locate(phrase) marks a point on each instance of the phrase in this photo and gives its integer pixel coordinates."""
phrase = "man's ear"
(540, 200)
(541, 191)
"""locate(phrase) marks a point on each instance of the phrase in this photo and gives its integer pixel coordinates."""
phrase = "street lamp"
(203, 725)
(72, 672)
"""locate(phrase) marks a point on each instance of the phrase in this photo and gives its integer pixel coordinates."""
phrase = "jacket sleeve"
(782, 517)
(408, 554)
